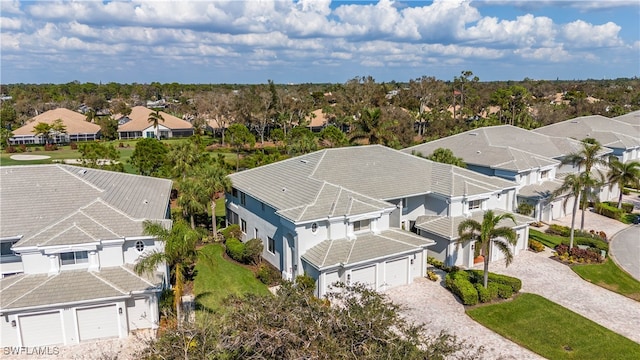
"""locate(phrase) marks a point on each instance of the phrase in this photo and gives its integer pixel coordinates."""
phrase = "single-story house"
(77, 128)
(138, 125)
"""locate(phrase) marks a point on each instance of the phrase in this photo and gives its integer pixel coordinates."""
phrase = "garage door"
(41, 329)
(365, 276)
(139, 315)
(330, 279)
(98, 322)
(396, 272)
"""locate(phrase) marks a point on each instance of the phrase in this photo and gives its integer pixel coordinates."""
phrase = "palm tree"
(486, 234)
(183, 157)
(179, 254)
(622, 174)
(215, 182)
(192, 198)
(154, 118)
(571, 186)
(586, 159)
(372, 127)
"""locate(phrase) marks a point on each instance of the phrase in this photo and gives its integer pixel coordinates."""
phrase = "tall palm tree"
(215, 182)
(372, 127)
(571, 186)
(179, 254)
(585, 159)
(154, 118)
(488, 233)
(184, 157)
(622, 174)
(193, 198)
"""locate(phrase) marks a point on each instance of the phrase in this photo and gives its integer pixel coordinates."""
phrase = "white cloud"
(7, 23)
(526, 31)
(557, 54)
(10, 7)
(582, 34)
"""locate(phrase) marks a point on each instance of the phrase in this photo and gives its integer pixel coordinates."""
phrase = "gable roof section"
(40, 202)
(34, 290)
(365, 247)
(140, 120)
(609, 132)
(354, 180)
(503, 147)
(74, 121)
(632, 118)
(447, 226)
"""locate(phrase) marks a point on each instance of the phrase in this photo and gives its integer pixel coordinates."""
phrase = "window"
(544, 174)
(243, 226)
(139, 246)
(255, 233)
(271, 245)
(243, 199)
(314, 228)
(78, 257)
(5, 248)
(361, 225)
(232, 217)
(475, 204)
(234, 192)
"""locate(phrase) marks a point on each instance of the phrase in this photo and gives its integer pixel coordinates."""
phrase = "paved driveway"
(625, 250)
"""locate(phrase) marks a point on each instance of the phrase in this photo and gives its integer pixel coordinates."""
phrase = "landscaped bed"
(552, 330)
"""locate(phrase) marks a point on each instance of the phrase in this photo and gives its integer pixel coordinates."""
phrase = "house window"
(361, 225)
(255, 233)
(262, 206)
(243, 226)
(139, 246)
(71, 258)
(232, 217)
(234, 192)
(475, 204)
(5, 248)
(243, 199)
(271, 245)
(544, 174)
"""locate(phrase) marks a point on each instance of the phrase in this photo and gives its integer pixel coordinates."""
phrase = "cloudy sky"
(294, 41)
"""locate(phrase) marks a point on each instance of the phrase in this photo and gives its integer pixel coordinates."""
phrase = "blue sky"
(316, 40)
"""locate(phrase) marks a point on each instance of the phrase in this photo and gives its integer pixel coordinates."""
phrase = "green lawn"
(610, 276)
(217, 278)
(553, 331)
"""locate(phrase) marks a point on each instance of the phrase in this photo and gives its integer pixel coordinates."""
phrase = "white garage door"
(365, 276)
(98, 322)
(41, 329)
(396, 272)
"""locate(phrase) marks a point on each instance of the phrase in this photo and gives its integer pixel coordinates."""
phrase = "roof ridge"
(326, 253)
(315, 200)
(96, 275)
(49, 278)
(353, 245)
(67, 229)
(313, 172)
(64, 168)
(100, 200)
(50, 226)
(136, 275)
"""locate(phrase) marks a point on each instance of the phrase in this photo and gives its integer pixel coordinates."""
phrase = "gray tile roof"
(447, 227)
(609, 132)
(41, 202)
(365, 247)
(503, 147)
(539, 191)
(632, 118)
(34, 290)
(333, 181)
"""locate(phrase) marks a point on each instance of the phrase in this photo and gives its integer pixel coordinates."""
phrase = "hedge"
(232, 231)
(514, 283)
(535, 245)
(487, 294)
(235, 249)
(504, 291)
(459, 284)
(609, 211)
(627, 207)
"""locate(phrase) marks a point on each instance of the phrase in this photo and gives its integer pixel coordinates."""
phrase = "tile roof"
(34, 290)
(74, 121)
(609, 132)
(540, 191)
(632, 118)
(43, 202)
(327, 181)
(140, 120)
(365, 247)
(503, 147)
(447, 226)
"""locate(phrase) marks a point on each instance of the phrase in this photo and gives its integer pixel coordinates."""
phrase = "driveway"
(429, 303)
(625, 250)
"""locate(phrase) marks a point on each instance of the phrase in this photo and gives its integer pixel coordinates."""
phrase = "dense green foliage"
(468, 286)
(553, 331)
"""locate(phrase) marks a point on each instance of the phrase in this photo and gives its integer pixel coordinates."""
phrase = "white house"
(345, 214)
(76, 128)
(136, 125)
(70, 238)
(531, 159)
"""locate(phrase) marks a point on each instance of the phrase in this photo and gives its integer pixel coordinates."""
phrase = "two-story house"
(345, 214)
(70, 238)
(622, 137)
(532, 160)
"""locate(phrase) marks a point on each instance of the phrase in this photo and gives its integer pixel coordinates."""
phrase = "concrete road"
(625, 250)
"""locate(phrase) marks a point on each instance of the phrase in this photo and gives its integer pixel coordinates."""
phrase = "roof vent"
(284, 189)
(574, 122)
(304, 161)
(82, 172)
(478, 152)
(145, 201)
(473, 134)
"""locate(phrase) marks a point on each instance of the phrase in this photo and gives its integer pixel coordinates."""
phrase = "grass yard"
(553, 331)
(217, 278)
(609, 276)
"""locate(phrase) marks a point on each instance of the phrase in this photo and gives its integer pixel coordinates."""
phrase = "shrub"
(235, 249)
(487, 294)
(591, 255)
(535, 245)
(23, 147)
(50, 147)
(504, 291)
(626, 191)
(305, 282)
(121, 145)
(232, 231)
(555, 229)
(525, 208)
(253, 251)
(435, 262)
(11, 149)
(431, 275)
(459, 284)
(627, 207)
(268, 275)
(73, 146)
(514, 283)
(609, 211)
